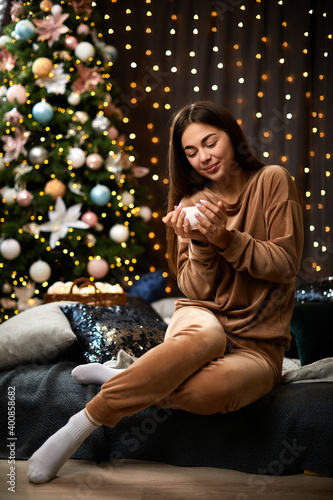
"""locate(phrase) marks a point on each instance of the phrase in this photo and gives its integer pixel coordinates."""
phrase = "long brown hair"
(183, 179)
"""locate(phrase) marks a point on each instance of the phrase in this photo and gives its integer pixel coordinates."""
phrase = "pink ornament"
(17, 92)
(24, 198)
(98, 268)
(120, 113)
(83, 29)
(113, 133)
(71, 42)
(109, 110)
(90, 218)
(121, 140)
(94, 161)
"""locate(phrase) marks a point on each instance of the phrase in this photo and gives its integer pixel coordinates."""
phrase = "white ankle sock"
(94, 373)
(51, 456)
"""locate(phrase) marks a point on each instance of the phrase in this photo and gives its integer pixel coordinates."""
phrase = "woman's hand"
(214, 229)
(181, 225)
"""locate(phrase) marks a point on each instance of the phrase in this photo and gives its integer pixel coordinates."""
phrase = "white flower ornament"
(25, 297)
(60, 220)
(55, 84)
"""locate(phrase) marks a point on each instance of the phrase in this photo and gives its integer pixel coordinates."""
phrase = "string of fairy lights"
(181, 74)
(319, 155)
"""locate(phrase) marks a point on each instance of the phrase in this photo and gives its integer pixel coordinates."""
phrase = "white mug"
(190, 211)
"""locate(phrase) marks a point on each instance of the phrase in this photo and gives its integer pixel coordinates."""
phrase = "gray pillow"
(36, 335)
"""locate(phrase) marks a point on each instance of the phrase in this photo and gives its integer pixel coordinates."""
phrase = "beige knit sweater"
(250, 285)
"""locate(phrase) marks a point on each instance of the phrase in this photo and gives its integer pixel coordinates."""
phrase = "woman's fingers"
(177, 219)
(214, 227)
(210, 209)
(204, 224)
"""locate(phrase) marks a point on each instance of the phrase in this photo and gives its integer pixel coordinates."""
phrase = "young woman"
(236, 266)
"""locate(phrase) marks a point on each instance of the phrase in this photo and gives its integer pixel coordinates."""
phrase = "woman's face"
(209, 150)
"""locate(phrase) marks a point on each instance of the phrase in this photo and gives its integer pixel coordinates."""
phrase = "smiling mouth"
(211, 168)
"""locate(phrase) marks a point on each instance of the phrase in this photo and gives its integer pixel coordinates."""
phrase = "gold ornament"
(65, 55)
(6, 287)
(31, 228)
(46, 5)
(90, 240)
(42, 67)
(55, 188)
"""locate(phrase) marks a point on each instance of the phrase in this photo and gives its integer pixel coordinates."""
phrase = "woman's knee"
(197, 322)
(213, 390)
(192, 399)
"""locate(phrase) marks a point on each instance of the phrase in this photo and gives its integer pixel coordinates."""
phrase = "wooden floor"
(136, 480)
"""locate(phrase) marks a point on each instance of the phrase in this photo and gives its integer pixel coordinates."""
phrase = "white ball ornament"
(10, 249)
(127, 198)
(76, 157)
(119, 233)
(56, 10)
(111, 51)
(145, 213)
(74, 99)
(37, 155)
(9, 196)
(84, 51)
(40, 271)
(14, 35)
(4, 39)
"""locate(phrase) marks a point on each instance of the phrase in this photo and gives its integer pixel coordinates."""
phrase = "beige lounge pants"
(195, 369)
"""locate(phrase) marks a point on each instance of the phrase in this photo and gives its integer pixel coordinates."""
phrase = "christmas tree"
(71, 202)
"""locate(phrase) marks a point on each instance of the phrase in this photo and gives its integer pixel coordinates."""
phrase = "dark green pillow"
(292, 352)
(312, 328)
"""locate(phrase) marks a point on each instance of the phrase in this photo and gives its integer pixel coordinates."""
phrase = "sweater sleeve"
(277, 256)
(197, 269)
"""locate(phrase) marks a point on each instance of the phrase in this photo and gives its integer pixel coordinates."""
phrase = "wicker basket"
(95, 299)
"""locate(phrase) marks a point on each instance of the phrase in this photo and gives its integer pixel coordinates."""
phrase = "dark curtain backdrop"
(269, 62)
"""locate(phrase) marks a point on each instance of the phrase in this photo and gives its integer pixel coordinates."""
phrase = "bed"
(288, 431)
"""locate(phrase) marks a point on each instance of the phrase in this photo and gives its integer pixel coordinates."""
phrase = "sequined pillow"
(102, 331)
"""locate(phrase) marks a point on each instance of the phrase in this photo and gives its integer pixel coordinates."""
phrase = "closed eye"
(204, 143)
(192, 155)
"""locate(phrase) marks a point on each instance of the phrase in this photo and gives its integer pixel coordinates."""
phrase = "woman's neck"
(231, 186)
